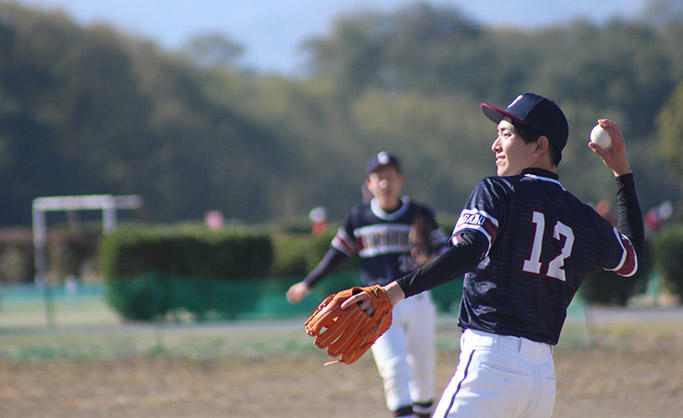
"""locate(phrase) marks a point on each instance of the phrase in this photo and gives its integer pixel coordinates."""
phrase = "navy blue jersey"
(541, 243)
(381, 239)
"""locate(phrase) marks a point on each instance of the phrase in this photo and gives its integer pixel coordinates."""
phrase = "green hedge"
(608, 288)
(298, 254)
(292, 254)
(185, 252)
(669, 264)
(150, 272)
(152, 296)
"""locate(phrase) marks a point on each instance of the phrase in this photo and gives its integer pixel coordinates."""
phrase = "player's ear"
(542, 144)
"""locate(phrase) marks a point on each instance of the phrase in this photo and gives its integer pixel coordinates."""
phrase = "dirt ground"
(626, 371)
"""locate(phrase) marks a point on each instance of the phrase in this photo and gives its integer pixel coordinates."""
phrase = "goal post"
(108, 204)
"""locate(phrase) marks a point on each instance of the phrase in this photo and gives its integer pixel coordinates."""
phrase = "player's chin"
(500, 166)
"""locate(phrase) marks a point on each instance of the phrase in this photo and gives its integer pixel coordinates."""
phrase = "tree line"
(89, 109)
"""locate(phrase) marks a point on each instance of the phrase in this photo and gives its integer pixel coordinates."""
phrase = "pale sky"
(271, 30)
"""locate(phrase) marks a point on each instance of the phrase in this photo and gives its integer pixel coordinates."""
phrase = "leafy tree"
(661, 12)
(212, 49)
(86, 109)
(670, 129)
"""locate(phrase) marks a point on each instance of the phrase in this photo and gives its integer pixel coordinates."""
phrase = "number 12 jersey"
(542, 241)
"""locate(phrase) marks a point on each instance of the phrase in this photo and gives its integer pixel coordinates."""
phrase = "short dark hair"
(529, 135)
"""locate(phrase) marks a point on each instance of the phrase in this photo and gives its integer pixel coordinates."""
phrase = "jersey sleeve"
(621, 258)
(344, 240)
(484, 213)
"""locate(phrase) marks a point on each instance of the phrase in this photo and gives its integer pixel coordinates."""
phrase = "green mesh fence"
(152, 295)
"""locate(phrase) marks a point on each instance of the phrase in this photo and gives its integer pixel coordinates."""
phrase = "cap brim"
(496, 115)
(373, 168)
(379, 165)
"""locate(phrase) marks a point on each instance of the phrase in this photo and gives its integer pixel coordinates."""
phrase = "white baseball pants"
(500, 376)
(405, 354)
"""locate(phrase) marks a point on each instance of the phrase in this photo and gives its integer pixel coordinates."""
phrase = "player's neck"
(544, 164)
(389, 206)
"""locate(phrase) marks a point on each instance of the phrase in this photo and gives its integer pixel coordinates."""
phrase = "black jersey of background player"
(542, 241)
(381, 239)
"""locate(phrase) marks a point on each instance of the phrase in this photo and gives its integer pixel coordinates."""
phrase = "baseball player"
(379, 232)
(525, 244)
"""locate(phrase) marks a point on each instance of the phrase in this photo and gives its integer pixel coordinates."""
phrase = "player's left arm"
(631, 232)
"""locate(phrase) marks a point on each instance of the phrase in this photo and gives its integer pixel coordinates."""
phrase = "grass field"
(609, 364)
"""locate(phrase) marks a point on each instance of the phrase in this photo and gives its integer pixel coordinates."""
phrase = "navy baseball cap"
(382, 159)
(540, 114)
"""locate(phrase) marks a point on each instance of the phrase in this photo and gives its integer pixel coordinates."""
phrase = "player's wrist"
(394, 292)
(622, 168)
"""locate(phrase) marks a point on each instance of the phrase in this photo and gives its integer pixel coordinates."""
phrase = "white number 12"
(556, 265)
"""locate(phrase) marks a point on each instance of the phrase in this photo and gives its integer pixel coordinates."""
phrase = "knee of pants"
(391, 366)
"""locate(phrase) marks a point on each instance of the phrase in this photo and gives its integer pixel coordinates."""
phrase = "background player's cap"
(382, 159)
(537, 112)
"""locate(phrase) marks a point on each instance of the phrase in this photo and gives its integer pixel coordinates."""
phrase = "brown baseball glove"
(350, 332)
(420, 241)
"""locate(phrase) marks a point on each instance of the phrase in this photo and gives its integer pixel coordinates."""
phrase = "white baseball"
(600, 137)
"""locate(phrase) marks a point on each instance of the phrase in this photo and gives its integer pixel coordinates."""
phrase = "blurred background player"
(378, 232)
(526, 244)
(318, 218)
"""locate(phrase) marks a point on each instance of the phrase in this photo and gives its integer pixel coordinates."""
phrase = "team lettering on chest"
(381, 239)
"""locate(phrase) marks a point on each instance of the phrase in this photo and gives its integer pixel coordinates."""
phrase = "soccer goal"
(108, 204)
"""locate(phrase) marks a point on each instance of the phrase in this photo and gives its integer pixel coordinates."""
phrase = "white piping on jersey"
(624, 255)
(624, 252)
(461, 226)
(380, 213)
(535, 177)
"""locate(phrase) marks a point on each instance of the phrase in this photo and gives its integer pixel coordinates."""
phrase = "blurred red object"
(318, 216)
(658, 216)
(605, 210)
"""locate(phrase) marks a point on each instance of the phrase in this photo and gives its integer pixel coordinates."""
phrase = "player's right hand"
(393, 291)
(297, 292)
(614, 157)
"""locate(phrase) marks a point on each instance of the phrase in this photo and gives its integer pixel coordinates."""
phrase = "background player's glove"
(350, 332)
(420, 241)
